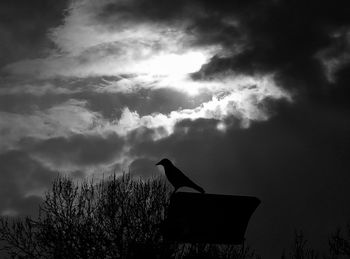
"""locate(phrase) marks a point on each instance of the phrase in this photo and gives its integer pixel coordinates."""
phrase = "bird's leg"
(175, 190)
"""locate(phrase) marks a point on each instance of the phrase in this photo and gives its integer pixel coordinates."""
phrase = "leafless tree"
(119, 217)
(339, 244)
(300, 248)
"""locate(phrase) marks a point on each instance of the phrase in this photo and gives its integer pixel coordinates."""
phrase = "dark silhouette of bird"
(176, 177)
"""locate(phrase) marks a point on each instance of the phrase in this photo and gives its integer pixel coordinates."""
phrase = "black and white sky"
(248, 97)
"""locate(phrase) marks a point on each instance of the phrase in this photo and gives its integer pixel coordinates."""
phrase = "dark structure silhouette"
(176, 177)
(208, 218)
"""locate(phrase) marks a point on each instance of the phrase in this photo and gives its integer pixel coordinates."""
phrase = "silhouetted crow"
(176, 177)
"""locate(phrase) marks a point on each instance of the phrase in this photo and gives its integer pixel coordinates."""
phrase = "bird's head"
(164, 162)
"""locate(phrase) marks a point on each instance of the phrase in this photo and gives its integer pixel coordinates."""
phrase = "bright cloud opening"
(175, 64)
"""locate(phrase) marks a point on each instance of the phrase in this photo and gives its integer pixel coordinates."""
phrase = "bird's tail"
(197, 187)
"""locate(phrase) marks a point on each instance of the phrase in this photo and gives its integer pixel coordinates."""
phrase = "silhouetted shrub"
(300, 248)
(119, 217)
(339, 244)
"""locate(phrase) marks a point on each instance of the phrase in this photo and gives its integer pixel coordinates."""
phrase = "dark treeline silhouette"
(119, 217)
(339, 247)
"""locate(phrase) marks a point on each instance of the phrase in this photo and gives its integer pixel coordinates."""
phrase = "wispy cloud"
(65, 119)
(245, 102)
(337, 55)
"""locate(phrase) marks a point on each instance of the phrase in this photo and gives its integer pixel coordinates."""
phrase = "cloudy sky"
(247, 97)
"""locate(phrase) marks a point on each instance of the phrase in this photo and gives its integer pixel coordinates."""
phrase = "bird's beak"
(158, 163)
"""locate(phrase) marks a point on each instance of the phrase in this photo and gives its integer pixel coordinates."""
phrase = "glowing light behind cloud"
(175, 64)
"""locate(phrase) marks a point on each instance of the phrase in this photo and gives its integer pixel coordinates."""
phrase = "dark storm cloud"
(164, 10)
(211, 22)
(24, 26)
(286, 36)
(77, 150)
(22, 180)
(275, 36)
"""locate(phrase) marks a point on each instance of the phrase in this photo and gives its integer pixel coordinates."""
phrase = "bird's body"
(177, 178)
